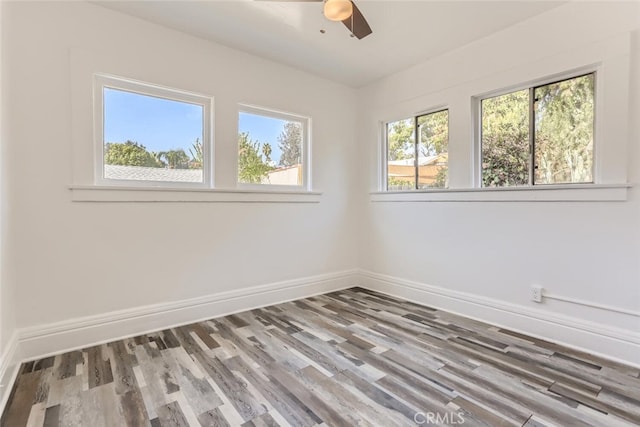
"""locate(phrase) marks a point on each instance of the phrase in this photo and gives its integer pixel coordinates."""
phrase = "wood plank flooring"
(348, 358)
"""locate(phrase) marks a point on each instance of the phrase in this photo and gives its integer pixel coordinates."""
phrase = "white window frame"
(612, 62)
(102, 81)
(384, 178)
(531, 86)
(305, 149)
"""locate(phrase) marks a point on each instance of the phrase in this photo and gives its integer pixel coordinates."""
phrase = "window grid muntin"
(593, 126)
(415, 119)
(531, 121)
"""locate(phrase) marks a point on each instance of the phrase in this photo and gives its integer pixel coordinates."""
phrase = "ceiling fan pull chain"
(352, 35)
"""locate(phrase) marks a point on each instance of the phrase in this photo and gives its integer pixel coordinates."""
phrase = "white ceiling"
(404, 32)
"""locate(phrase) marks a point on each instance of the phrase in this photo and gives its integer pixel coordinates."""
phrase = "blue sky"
(162, 124)
(157, 123)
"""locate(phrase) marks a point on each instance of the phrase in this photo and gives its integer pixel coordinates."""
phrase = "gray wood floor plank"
(213, 418)
(486, 416)
(512, 391)
(355, 410)
(197, 391)
(23, 398)
(51, 417)
(171, 415)
(399, 412)
(319, 358)
(278, 350)
(99, 370)
(68, 362)
(133, 408)
(254, 352)
(596, 404)
(323, 409)
(288, 408)
(100, 405)
(247, 405)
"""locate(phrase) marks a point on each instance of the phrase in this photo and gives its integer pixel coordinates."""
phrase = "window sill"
(94, 193)
(556, 193)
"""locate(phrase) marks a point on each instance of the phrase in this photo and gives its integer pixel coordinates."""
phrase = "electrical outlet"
(536, 293)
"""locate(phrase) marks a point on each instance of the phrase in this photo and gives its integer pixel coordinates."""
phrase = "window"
(151, 136)
(417, 152)
(272, 148)
(541, 135)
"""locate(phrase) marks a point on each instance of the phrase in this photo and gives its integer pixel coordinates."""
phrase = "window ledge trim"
(111, 193)
(541, 193)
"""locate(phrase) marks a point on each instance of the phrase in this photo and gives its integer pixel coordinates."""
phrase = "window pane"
(564, 131)
(269, 150)
(433, 134)
(505, 140)
(401, 169)
(147, 138)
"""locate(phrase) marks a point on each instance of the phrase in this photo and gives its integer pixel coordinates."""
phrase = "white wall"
(68, 259)
(2, 143)
(78, 259)
(7, 300)
(495, 250)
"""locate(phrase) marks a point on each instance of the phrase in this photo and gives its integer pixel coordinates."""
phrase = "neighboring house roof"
(140, 173)
(422, 161)
(284, 168)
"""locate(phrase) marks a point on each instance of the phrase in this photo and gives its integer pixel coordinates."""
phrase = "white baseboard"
(44, 340)
(9, 365)
(612, 343)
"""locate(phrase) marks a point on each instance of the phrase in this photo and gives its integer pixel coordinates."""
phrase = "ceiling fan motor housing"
(338, 10)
